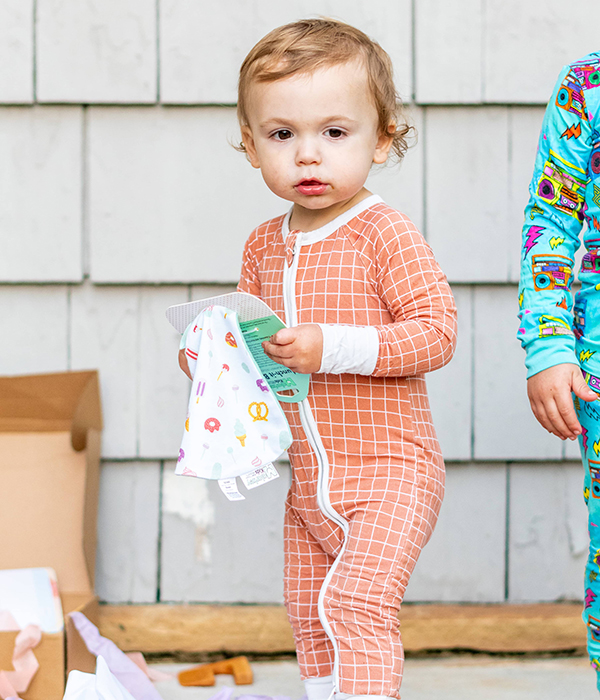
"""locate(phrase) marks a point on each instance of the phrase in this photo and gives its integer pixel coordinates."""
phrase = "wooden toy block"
(204, 675)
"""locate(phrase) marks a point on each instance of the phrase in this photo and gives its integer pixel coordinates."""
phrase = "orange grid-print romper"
(367, 472)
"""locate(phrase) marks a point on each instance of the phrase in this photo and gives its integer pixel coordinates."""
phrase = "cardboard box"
(49, 472)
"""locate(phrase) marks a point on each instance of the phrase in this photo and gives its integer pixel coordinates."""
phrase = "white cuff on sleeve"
(349, 349)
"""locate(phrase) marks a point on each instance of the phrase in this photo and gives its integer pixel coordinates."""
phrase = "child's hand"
(183, 363)
(299, 348)
(550, 397)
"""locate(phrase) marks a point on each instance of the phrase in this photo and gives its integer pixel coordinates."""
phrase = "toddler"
(562, 338)
(369, 312)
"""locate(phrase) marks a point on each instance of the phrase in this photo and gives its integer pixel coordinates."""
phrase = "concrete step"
(460, 677)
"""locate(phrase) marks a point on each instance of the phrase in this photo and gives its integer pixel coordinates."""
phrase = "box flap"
(51, 403)
(49, 490)
(78, 656)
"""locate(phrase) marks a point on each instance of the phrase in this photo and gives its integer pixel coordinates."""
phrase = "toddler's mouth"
(311, 187)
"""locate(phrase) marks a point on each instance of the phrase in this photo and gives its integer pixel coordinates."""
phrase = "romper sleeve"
(553, 221)
(409, 281)
(249, 280)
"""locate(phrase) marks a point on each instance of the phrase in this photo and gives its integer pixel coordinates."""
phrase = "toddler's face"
(314, 138)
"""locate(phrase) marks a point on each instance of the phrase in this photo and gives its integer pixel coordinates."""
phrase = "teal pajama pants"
(589, 442)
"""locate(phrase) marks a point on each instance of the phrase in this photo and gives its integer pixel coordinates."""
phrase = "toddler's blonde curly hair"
(309, 44)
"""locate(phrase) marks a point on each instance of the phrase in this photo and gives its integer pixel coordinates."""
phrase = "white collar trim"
(319, 234)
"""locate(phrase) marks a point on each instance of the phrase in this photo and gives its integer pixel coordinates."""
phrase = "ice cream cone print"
(240, 432)
(285, 439)
(225, 369)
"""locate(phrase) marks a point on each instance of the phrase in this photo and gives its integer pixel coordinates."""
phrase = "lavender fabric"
(130, 675)
(227, 694)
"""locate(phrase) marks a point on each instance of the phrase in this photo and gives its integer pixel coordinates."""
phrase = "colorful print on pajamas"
(589, 442)
(368, 475)
(565, 193)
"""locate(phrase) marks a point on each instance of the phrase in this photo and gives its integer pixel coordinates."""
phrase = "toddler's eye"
(334, 133)
(282, 135)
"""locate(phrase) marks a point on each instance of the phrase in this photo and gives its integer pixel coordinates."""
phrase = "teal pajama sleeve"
(555, 328)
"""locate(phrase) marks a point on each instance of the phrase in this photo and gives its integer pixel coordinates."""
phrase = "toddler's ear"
(384, 144)
(248, 141)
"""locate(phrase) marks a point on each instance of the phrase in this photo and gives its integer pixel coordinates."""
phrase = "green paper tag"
(279, 378)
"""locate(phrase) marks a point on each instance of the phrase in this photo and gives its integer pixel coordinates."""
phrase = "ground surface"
(448, 678)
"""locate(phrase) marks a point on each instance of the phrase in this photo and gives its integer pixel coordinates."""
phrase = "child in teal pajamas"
(562, 338)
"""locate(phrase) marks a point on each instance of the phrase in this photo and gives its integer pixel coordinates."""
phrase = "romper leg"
(306, 565)
(589, 417)
(362, 600)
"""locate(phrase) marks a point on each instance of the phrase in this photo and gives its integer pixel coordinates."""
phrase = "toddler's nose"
(308, 152)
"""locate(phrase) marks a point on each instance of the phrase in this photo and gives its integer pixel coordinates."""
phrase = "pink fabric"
(153, 674)
(24, 663)
(8, 622)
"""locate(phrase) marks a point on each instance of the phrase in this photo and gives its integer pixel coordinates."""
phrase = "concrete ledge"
(264, 629)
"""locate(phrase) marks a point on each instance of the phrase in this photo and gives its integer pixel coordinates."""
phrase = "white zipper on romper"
(312, 433)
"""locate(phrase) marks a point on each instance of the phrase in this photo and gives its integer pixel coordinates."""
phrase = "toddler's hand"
(183, 363)
(299, 348)
(550, 397)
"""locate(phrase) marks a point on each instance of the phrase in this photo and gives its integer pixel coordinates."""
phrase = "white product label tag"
(230, 489)
(260, 476)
